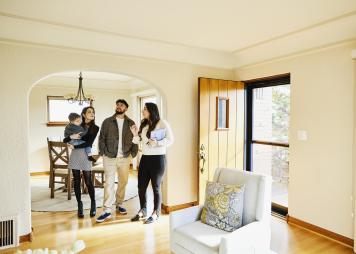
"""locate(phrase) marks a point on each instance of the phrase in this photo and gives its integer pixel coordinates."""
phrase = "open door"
(221, 128)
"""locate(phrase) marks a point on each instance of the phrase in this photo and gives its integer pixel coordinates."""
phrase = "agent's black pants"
(152, 168)
(88, 183)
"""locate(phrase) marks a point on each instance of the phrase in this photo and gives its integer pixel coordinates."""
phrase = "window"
(267, 134)
(222, 113)
(58, 109)
(144, 100)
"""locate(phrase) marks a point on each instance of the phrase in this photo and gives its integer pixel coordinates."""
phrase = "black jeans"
(152, 169)
(88, 183)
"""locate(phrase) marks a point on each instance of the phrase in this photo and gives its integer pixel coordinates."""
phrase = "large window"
(58, 109)
(267, 149)
(144, 100)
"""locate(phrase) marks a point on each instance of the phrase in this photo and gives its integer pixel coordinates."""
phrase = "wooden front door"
(221, 128)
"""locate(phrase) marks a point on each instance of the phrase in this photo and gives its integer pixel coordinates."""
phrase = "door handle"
(202, 156)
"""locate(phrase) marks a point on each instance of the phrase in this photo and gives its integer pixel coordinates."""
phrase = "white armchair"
(188, 235)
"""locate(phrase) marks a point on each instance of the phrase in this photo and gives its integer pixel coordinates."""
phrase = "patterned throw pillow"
(223, 206)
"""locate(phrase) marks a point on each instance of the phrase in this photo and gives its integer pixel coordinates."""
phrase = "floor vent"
(8, 232)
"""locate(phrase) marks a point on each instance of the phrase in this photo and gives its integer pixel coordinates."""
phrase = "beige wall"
(21, 66)
(104, 105)
(354, 147)
(322, 97)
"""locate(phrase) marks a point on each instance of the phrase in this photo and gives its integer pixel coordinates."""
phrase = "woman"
(78, 159)
(153, 160)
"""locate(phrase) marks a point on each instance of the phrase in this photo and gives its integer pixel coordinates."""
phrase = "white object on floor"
(77, 247)
(189, 235)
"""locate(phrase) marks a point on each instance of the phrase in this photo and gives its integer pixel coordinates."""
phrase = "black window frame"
(250, 85)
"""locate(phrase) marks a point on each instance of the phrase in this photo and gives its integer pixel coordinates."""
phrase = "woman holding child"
(155, 135)
(80, 159)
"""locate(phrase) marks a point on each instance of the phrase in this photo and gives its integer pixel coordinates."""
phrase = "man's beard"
(119, 112)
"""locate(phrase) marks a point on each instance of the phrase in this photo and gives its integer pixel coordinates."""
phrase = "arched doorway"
(47, 100)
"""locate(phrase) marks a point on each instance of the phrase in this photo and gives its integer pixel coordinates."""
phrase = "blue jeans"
(75, 142)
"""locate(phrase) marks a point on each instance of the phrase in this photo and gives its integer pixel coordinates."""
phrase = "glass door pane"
(271, 113)
(270, 138)
(273, 161)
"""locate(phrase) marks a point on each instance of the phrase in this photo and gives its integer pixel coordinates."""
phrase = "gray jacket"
(74, 129)
(109, 138)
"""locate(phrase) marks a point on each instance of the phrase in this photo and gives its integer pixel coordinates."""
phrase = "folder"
(158, 134)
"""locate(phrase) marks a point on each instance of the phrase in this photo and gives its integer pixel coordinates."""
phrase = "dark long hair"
(153, 119)
(91, 123)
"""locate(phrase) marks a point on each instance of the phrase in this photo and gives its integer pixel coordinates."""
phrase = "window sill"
(55, 124)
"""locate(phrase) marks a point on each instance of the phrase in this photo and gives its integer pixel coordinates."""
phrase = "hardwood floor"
(290, 239)
(58, 230)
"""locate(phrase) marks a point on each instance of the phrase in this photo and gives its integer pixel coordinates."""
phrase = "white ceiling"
(226, 26)
(93, 80)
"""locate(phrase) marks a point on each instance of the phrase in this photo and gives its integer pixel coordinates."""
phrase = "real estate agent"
(153, 161)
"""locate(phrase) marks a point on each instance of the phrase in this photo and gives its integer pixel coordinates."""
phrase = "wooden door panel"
(222, 148)
(213, 151)
(203, 172)
(222, 134)
(232, 133)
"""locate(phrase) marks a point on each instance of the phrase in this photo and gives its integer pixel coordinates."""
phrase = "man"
(117, 149)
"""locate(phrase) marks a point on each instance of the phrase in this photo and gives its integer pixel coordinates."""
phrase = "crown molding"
(297, 31)
(18, 29)
(314, 38)
(300, 53)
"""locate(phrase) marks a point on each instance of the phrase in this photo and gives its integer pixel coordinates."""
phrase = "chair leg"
(52, 184)
(50, 178)
(84, 187)
(69, 185)
(93, 178)
(102, 179)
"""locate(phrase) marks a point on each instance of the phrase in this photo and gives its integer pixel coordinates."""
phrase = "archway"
(106, 87)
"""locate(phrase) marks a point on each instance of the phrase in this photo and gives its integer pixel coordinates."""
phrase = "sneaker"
(151, 219)
(103, 217)
(121, 210)
(140, 215)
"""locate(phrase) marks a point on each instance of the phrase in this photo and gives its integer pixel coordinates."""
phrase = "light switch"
(302, 135)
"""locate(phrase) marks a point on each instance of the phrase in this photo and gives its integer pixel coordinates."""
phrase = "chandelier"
(80, 96)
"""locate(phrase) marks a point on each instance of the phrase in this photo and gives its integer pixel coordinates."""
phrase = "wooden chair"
(58, 157)
(98, 173)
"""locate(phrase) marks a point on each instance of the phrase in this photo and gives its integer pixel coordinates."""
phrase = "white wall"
(322, 98)
(104, 105)
(23, 65)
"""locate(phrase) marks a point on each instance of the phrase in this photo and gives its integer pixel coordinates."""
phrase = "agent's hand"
(152, 142)
(70, 146)
(134, 130)
(75, 136)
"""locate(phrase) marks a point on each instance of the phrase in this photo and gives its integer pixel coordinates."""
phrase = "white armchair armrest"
(184, 216)
(247, 239)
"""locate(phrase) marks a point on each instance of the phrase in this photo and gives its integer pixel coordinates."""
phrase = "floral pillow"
(223, 206)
